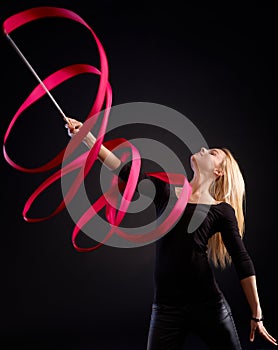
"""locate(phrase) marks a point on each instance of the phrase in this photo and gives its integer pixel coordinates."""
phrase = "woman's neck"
(200, 186)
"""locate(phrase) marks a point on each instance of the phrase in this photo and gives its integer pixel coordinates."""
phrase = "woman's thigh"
(214, 323)
(167, 331)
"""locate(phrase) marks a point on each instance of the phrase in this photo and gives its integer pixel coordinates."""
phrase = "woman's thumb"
(252, 335)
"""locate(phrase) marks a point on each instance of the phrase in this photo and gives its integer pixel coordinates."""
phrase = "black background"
(214, 65)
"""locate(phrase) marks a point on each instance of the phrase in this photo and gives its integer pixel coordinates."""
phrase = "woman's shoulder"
(223, 206)
(224, 210)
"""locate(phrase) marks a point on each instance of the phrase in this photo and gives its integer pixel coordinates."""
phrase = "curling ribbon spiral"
(85, 161)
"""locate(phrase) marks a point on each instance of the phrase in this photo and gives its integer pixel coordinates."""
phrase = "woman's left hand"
(260, 329)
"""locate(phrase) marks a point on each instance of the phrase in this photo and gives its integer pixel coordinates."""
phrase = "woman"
(187, 297)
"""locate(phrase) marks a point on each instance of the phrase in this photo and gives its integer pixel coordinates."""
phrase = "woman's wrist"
(257, 319)
(89, 140)
(257, 314)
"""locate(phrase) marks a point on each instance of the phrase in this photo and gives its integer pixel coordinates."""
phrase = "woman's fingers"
(73, 125)
(263, 333)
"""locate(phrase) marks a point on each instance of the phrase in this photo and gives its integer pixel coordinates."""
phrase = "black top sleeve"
(160, 193)
(234, 243)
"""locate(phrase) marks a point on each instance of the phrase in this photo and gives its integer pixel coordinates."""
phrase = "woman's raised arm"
(107, 157)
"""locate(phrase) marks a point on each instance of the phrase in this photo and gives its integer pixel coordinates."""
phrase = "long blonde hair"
(230, 188)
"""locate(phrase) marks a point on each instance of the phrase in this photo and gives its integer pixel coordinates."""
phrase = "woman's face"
(207, 161)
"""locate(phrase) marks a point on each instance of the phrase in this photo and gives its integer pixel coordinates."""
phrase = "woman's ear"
(218, 172)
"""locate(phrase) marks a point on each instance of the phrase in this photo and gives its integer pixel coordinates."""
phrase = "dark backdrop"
(215, 66)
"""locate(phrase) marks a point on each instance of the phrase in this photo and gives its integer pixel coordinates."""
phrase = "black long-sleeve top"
(183, 272)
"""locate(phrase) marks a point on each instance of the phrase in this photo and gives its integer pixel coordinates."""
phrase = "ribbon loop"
(85, 161)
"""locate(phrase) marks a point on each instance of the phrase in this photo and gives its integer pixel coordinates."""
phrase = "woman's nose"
(203, 149)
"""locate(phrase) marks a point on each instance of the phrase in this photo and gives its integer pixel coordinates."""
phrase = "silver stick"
(37, 77)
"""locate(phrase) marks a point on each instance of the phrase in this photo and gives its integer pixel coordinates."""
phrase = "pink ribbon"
(86, 161)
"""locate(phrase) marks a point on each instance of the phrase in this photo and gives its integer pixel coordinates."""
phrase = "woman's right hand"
(73, 126)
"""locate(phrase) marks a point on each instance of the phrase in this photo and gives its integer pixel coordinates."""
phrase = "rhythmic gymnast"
(187, 297)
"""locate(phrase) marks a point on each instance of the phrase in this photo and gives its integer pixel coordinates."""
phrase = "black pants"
(212, 322)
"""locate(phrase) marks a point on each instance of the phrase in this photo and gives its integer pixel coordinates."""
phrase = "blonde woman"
(187, 297)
